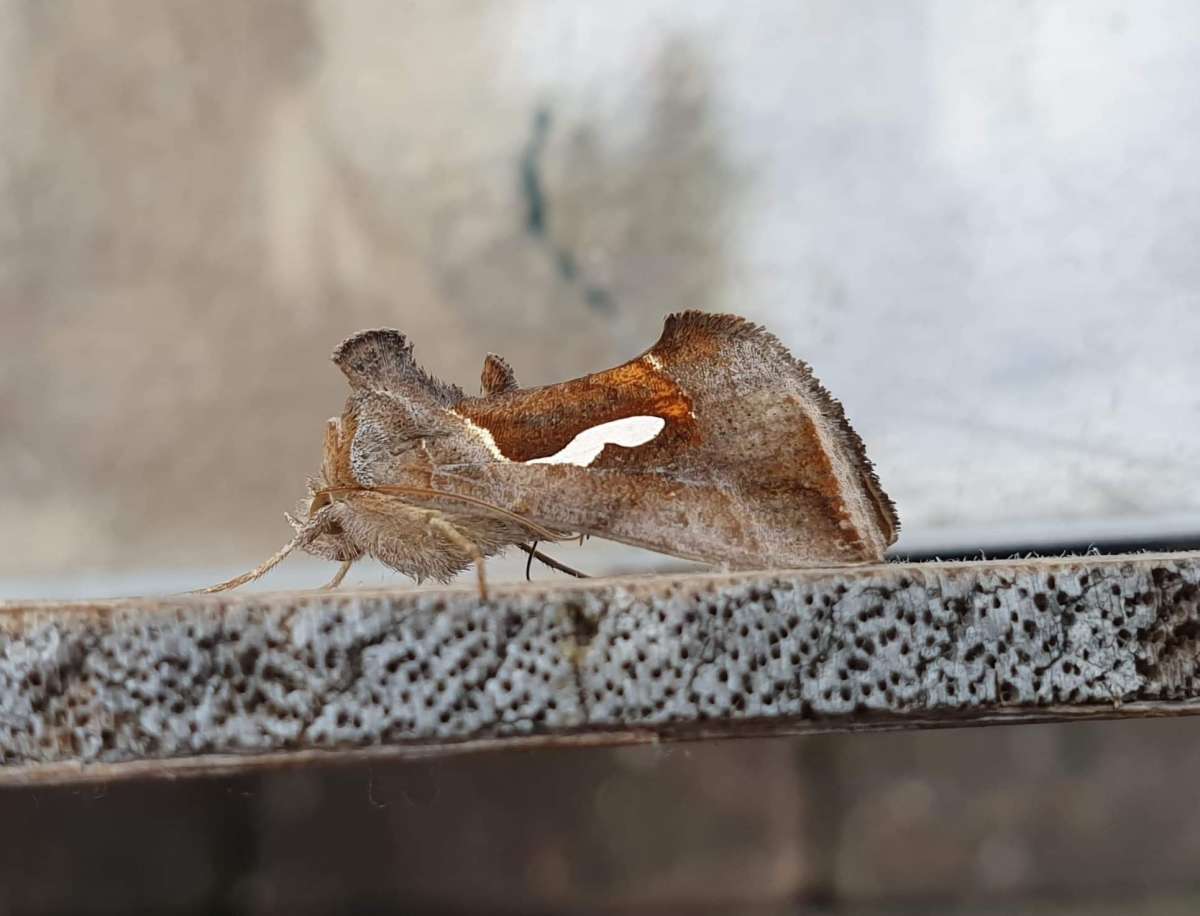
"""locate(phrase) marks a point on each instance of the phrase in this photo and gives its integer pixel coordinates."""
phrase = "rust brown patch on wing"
(536, 422)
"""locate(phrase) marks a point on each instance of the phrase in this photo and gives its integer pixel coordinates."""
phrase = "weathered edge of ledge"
(189, 684)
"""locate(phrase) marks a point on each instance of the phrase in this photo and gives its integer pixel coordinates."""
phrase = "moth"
(715, 444)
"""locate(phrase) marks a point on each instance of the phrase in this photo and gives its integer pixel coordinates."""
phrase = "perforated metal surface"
(190, 679)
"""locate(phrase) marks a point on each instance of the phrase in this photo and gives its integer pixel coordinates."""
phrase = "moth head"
(319, 526)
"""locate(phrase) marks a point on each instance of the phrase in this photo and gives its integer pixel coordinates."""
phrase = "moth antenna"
(549, 561)
(543, 533)
(259, 571)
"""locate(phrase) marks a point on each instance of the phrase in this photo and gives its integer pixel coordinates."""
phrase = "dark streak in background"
(537, 220)
(531, 179)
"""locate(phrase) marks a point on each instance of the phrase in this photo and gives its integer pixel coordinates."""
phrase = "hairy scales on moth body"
(716, 445)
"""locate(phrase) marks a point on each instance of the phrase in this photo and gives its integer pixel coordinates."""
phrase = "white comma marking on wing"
(587, 446)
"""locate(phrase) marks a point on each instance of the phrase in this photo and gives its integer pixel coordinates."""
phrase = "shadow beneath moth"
(715, 445)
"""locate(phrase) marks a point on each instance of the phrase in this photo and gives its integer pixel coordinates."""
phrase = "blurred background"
(978, 222)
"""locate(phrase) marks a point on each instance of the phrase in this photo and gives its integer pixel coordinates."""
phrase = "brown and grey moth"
(716, 445)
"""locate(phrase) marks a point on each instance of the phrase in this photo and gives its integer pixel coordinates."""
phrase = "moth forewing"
(716, 444)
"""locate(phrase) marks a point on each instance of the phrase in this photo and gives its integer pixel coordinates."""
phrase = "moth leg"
(467, 546)
(529, 562)
(338, 576)
(548, 561)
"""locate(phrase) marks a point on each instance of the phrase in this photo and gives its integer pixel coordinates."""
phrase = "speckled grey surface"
(190, 679)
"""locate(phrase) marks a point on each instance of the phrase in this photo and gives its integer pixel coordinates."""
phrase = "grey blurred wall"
(977, 221)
